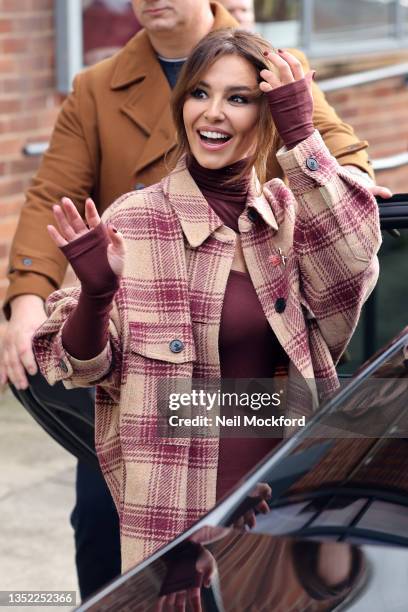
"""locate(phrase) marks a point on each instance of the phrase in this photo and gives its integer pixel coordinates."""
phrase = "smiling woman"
(211, 274)
(219, 111)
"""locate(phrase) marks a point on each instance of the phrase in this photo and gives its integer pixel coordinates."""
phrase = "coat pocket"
(166, 342)
(159, 368)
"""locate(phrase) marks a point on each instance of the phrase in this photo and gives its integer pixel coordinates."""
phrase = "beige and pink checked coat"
(179, 257)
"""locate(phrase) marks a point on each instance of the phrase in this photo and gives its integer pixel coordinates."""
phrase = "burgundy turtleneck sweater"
(247, 345)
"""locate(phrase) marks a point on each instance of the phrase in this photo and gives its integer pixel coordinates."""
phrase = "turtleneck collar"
(227, 200)
(213, 183)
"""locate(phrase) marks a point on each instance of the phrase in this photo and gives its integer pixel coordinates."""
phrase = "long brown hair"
(213, 46)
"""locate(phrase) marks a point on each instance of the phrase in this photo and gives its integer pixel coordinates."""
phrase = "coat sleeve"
(338, 136)
(69, 168)
(335, 241)
(55, 362)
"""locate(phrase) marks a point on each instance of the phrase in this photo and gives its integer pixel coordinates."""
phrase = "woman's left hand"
(289, 94)
(288, 70)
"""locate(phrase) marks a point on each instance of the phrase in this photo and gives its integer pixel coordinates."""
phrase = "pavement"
(36, 498)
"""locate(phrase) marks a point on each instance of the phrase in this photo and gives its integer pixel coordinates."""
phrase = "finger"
(209, 573)
(271, 78)
(159, 606)
(294, 64)
(27, 359)
(284, 70)
(56, 236)
(194, 599)
(116, 239)
(91, 214)
(262, 489)
(3, 367)
(383, 192)
(63, 225)
(239, 523)
(250, 519)
(15, 371)
(180, 604)
(73, 216)
(263, 507)
(265, 87)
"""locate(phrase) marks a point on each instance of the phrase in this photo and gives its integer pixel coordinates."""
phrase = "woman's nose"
(214, 111)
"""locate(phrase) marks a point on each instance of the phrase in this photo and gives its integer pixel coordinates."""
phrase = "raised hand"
(287, 70)
(71, 226)
(289, 95)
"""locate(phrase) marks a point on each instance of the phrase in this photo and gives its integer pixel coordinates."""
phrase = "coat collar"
(196, 217)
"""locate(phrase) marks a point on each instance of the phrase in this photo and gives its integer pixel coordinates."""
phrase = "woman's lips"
(213, 146)
(155, 11)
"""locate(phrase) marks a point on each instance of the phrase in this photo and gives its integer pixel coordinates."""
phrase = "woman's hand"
(288, 70)
(71, 226)
(190, 598)
(263, 492)
(289, 95)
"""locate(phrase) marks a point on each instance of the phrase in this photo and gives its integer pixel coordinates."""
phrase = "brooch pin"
(278, 259)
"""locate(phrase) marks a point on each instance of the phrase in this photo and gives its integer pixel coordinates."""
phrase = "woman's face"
(221, 114)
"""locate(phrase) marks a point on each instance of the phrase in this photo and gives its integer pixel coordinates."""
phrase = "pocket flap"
(172, 342)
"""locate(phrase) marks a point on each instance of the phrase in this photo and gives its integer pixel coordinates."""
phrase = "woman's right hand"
(71, 226)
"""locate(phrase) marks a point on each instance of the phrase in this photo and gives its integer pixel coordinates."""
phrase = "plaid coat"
(179, 256)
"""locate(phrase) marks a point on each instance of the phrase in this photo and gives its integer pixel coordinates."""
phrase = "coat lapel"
(147, 105)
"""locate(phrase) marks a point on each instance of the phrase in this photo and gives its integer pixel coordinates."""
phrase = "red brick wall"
(379, 113)
(28, 103)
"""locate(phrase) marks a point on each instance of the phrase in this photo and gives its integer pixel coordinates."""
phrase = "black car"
(333, 534)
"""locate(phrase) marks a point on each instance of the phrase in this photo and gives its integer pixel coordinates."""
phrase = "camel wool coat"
(179, 256)
(111, 137)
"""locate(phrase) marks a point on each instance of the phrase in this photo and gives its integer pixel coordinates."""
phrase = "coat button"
(27, 261)
(63, 365)
(176, 346)
(252, 215)
(280, 305)
(312, 163)
(139, 186)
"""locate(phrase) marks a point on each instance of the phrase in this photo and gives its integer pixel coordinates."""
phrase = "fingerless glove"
(291, 106)
(85, 333)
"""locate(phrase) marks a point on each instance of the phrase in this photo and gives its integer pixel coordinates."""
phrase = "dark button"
(252, 215)
(139, 186)
(176, 346)
(63, 365)
(280, 305)
(312, 163)
(27, 261)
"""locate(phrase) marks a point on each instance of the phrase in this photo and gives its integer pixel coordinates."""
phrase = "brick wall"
(378, 113)
(29, 104)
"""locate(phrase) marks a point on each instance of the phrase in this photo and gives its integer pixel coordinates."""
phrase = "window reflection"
(385, 518)
(107, 26)
(353, 19)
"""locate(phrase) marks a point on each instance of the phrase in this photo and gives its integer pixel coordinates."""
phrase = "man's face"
(164, 15)
(243, 11)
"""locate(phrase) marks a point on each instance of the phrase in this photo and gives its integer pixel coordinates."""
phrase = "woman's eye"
(198, 93)
(239, 99)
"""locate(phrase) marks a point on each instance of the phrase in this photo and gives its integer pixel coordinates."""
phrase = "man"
(243, 11)
(112, 135)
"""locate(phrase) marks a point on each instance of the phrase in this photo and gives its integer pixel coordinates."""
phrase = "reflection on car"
(336, 521)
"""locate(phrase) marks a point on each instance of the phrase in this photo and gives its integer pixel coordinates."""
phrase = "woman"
(219, 277)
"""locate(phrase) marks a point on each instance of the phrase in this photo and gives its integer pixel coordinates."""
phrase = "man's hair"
(212, 47)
